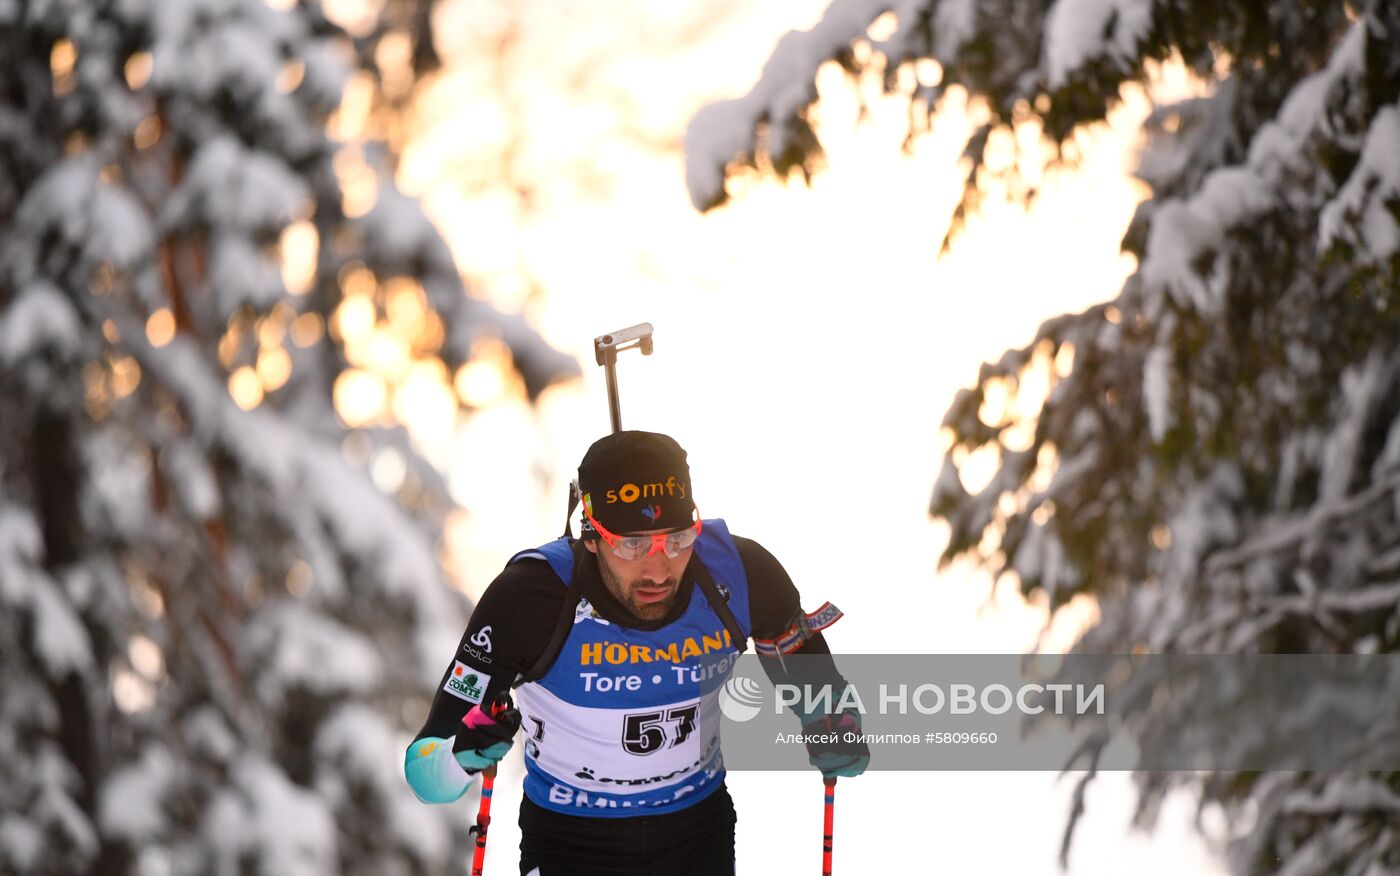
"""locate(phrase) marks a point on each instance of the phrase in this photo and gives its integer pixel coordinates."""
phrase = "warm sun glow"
(299, 246)
(146, 657)
(358, 17)
(131, 692)
(126, 376)
(274, 368)
(386, 352)
(406, 305)
(424, 403)
(307, 329)
(360, 397)
(347, 124)
(488, 377)
(147, 132)
(246, 388)
(138, 70)
(273, 327)
(290, 76)
(230, 342)
(354, 320)
(62, 59)
(160, 327)
(356, 279)
(300, 578)
(480, 382)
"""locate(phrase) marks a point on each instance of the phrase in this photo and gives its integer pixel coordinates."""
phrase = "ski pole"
(830, 783)
(483, 819)
(605, 350)
(499, 706)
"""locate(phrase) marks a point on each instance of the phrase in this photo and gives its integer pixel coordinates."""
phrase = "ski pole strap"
(830, 783)
(802, 628)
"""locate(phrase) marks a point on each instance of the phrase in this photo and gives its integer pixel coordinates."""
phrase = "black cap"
(636, 481)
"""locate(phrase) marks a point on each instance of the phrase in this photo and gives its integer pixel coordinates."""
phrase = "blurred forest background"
(220, 320)
(234, 346)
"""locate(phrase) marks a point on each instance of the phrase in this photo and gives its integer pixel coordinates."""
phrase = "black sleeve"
(773, 605)
(510, 627)
(773, 599)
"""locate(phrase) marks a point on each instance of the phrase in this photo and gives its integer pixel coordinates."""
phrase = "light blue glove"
(476, 760)
(438, 774)
(433, 773)
(845, 754)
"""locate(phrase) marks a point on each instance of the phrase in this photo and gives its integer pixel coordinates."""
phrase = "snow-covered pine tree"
(1218, 457)
(215, 630)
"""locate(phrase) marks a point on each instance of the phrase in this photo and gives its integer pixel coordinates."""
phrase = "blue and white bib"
(627, 721)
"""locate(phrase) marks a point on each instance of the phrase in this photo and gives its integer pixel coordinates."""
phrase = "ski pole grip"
(500, 705)
(488, 713)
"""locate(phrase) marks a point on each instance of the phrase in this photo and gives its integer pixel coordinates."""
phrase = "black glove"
(486, 734)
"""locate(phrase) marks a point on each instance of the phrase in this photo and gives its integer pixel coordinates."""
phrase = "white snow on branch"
(59, 636)
(1361, 388)
(1075, 34)
(21, 548)
(1184, 232)
(1156, 391)
(60, 639)
(359, 743)
(21, 840)
(283, 827)
(188, 472)
(327, 69)
(1277, 534)
(1204, 521)
(1374, 183)
(1278, 146)
(356, 743)
(311, 480)
(41, 317)
(240, 274)
(58, 783)
(954, 23)
(130, 805)
(722, 131)
(1344, 793)
(308, 649)
(231, 187)
(99, 221)
(204, 45)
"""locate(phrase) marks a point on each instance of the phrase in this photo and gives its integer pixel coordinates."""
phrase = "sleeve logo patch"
(483, 639)
(465, 683)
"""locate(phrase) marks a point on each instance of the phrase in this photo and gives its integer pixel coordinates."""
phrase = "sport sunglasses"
(639, 547)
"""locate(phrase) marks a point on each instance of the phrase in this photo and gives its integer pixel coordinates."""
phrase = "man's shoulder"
(515, 616)
(753, 554)
(529, 578)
